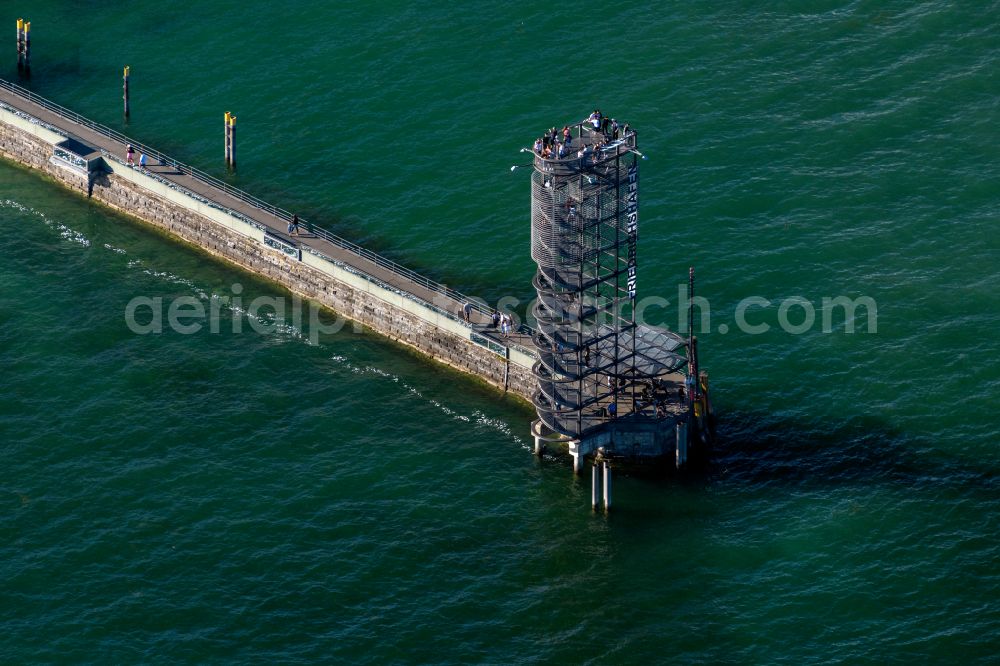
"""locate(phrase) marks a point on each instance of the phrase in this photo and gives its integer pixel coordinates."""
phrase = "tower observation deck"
(604, 379)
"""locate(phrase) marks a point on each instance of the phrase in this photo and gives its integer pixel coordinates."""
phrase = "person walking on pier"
(293, 226)
(467, 311)
(142, 160)
(130, 155)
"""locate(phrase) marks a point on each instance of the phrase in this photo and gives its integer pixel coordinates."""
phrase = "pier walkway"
(273, 218)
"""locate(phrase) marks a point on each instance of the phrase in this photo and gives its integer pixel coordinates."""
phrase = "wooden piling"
(27, 47)
(125, 90)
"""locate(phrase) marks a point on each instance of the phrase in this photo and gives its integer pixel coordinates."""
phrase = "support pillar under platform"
(580, 450)
(543, 436)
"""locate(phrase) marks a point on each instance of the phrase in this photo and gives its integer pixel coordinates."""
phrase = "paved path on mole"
(275, 224)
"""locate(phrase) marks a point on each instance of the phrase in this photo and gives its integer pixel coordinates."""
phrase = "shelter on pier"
(77, 156)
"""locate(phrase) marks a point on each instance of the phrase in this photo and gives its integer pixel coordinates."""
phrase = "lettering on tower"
(632, 226)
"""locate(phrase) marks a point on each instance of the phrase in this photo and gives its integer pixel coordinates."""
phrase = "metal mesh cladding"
(578, 241)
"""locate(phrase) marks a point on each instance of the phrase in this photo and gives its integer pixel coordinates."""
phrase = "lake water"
(255, 497)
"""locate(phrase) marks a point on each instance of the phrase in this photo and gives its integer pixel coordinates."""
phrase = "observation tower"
(608, 385)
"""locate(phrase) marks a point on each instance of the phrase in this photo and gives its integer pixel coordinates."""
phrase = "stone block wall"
(358, 305)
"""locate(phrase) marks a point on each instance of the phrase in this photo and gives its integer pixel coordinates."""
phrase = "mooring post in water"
(595, 486)
(232, 142)
(225, 126)
(23, 46)
(20, 44)
(27, 47)
(125, 89)
(607, 486)
(682, 444)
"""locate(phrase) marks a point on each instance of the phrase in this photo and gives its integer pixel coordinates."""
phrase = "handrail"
(258, 203)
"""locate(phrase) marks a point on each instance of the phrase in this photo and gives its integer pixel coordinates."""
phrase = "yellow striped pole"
(20, 44)
(27, 47)
(125, 89)
(232, 142)
(225, 125)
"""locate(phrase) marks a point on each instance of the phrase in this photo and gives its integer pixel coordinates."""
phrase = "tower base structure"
(670, 442)
(610, 385)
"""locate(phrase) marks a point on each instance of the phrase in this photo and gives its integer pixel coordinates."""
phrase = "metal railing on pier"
(280, 213)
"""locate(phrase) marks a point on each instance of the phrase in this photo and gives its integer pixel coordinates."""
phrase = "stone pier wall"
(390, 313)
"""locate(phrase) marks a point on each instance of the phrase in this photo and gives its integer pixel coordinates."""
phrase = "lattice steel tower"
(598, 369)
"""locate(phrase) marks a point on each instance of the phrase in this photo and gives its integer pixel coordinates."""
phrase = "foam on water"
(64, 231)
(476, 417)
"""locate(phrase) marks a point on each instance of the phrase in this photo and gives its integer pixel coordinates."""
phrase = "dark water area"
(255, 495)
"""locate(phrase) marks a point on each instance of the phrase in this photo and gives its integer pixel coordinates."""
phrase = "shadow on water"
(755, 453)
(756, 449)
